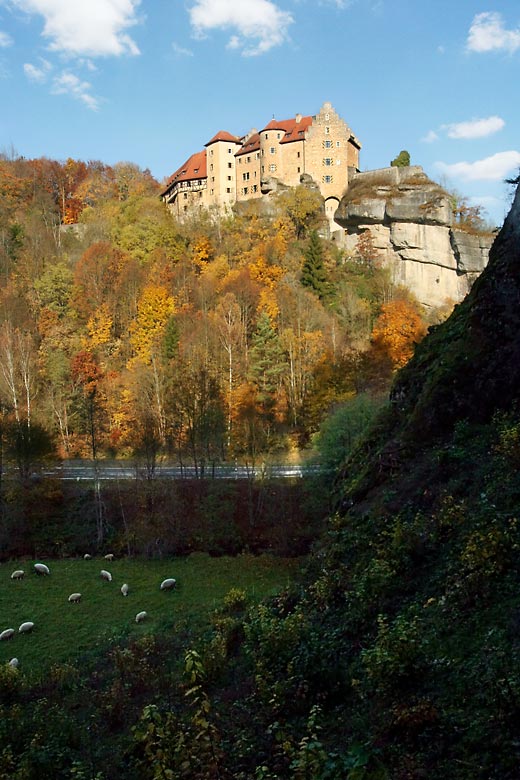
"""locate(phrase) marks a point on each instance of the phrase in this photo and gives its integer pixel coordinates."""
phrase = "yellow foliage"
(154, 309)
(268, 303)
(99, 327)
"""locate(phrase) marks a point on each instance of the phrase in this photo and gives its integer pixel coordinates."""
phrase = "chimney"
(298, 118)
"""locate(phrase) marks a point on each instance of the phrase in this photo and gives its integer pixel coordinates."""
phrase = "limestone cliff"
(410, 219)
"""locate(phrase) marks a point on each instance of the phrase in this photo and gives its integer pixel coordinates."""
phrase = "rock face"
(410, 220)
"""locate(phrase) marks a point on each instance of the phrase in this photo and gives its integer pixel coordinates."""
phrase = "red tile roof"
(223, 135)
(251, 145)
(195, 167)
(293, 130)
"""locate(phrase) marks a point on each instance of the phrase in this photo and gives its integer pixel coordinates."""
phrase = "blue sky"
(151, 81)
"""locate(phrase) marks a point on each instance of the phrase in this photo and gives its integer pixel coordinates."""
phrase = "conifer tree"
(267, 362)
(313, 270)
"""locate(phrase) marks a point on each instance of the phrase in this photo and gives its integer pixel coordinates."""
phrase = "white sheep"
(141, 616)
(168, 584)
(87, 557)
(8, 633)
(26, 627)
(105, 575)
(14, 663)
(19, 574)
(109, 557)
(41, 568)
(124, 589)
(75, 598)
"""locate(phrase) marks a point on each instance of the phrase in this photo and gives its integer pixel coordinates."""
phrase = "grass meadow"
(63, 632)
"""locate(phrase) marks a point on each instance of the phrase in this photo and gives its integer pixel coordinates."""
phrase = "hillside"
(399, 658)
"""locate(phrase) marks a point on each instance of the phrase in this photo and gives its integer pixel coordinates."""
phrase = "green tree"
(314, 274)
(402, 160)
(267, 364)
(304, 207)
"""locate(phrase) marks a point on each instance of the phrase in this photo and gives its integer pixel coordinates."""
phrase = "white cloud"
(430, 137)
(257, 25)
(5, 40)
(181, 51)
(475, 128)
(487, 33)
(69, 84)
(35, 73)
(95, 28)
(491, 168)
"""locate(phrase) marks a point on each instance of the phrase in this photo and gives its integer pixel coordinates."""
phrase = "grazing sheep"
(141, 616)
(25, 628)
(75, 598)
(168, 584)
(41, 568)
(8, 633)
(19, 574)
(105, 575)
(124, 589)
(14, 663)
(109, 557)
(87, 557)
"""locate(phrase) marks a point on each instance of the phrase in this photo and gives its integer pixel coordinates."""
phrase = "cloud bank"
(475, 128)
(487, 33)
(256, 26)
(492, 168)
(96, 28)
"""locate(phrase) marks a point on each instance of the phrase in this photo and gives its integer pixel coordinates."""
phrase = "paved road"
(105, 470)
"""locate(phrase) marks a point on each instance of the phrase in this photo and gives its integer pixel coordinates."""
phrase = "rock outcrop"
(410, 219)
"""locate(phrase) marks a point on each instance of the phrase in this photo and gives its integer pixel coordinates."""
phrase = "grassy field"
(64, 631)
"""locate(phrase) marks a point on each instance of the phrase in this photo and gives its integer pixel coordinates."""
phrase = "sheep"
(14, 663)
(41, 568)
(105, 575)
(19, 574)
(124, 589)
(75, 598)
(25, 628)
(168, 584)
(8, 633)
(141, 616)
(109, 557)
(87, 557)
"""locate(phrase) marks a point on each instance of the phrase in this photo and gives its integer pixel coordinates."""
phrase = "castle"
(231, 169)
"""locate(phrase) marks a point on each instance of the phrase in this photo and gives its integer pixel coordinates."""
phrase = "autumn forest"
(124, 333)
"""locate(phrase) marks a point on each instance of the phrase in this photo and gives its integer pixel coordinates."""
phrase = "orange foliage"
(397, 329)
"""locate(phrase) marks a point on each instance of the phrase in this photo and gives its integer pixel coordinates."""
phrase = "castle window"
(211, 167)
(228, 190)
(229, 151)
(230, 165)
(229, 178)
(327, 144)
(245, 176)
(254, 188)
(266, 136)
(327, 179)
(278, 135)
(272, 150)
(272, 168)
(185, 195)
(338, 144)
(298, 154)
(248, 159)
(327, 130)
(246, 190)
(327, 161)
(298, 170)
